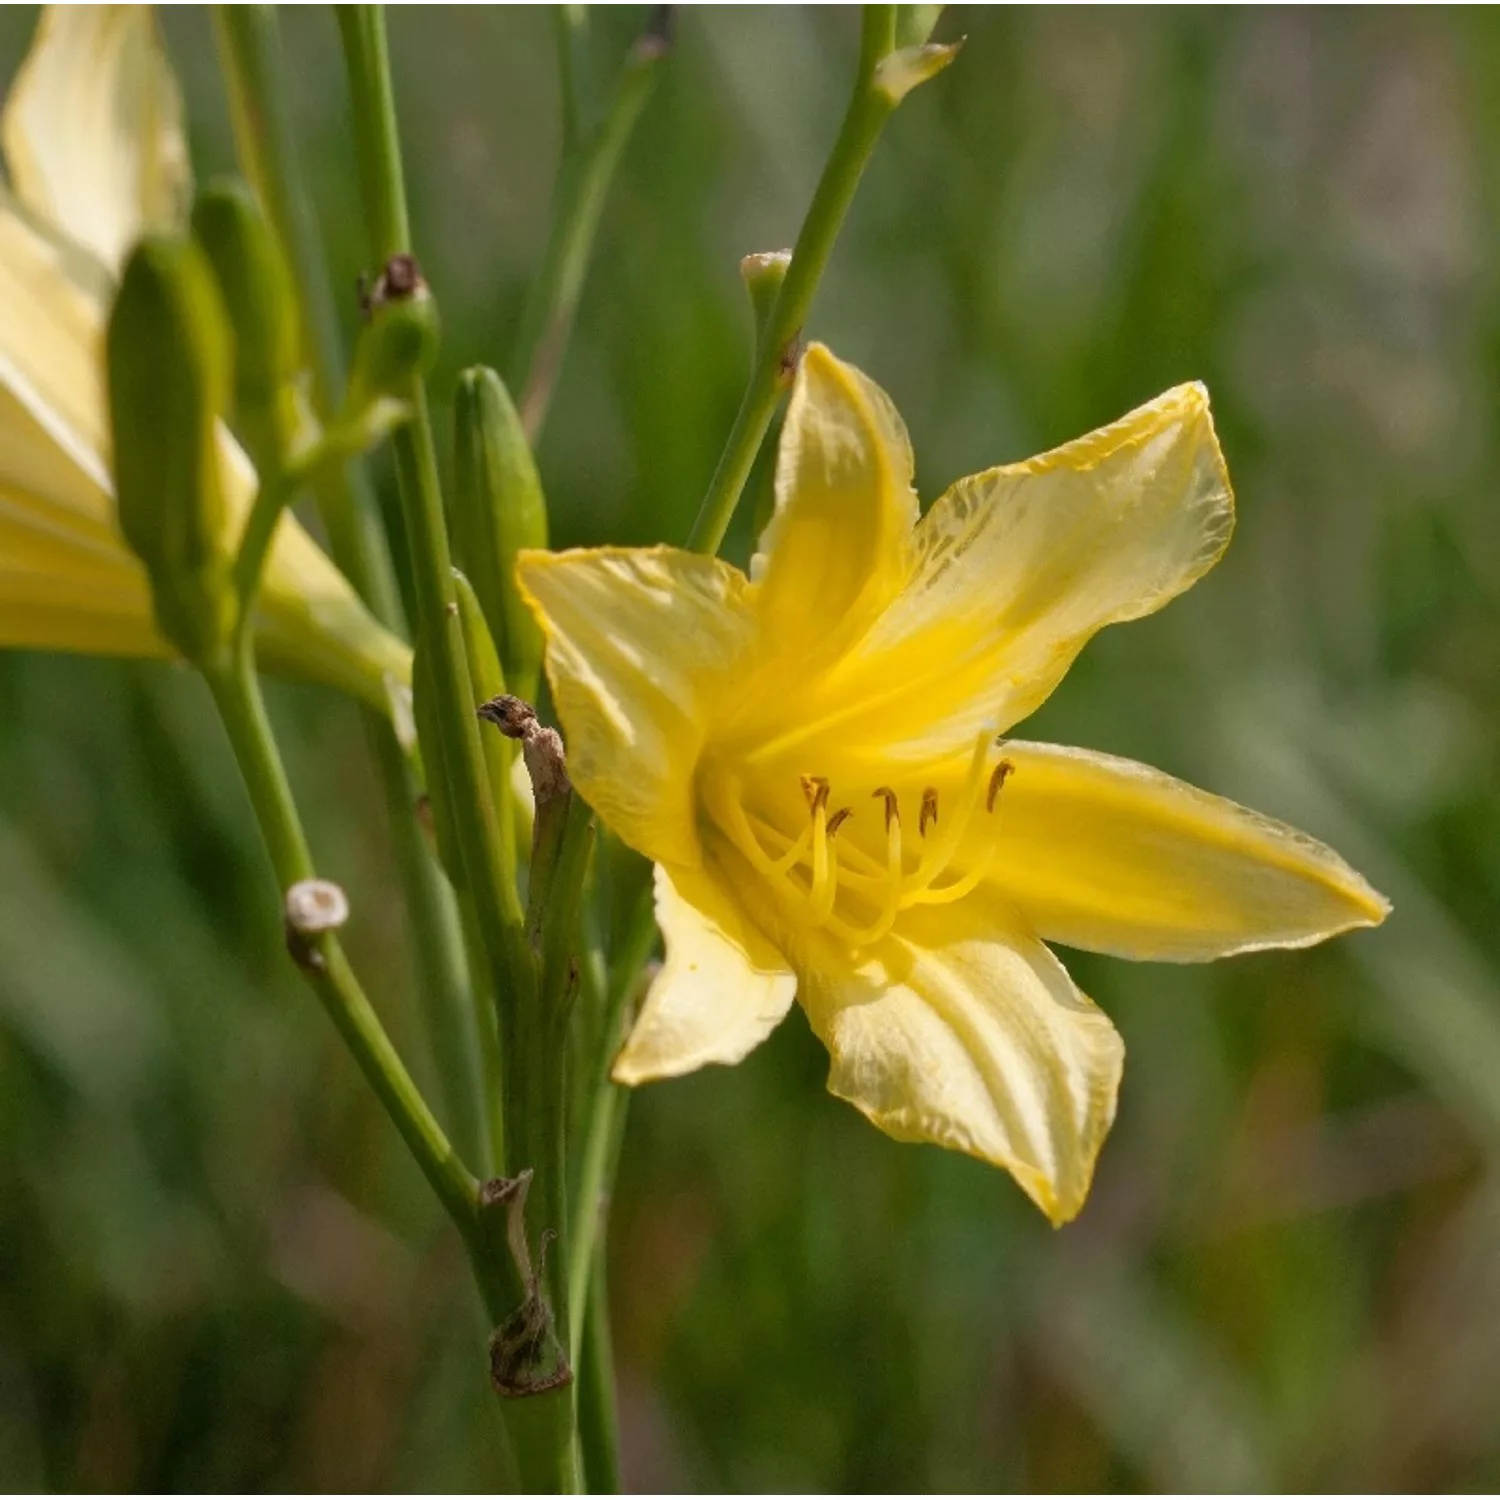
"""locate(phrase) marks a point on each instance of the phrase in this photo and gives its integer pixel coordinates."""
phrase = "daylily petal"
(92, 129)
(642, 645)
(838, 547)
(51, 365)
(1111, 855)
(67, 579)
(962, 1030)
(721, 991)
(1017, 567)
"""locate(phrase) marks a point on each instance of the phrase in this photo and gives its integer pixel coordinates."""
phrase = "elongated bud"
(256, 286)
(763, 274)
(400, 338)
(498, 508)
(169, 365)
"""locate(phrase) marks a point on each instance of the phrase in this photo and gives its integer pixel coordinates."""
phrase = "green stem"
(542, 1426)
(236, 692)
(255, 69)
(775, 353)
(598, 1420)
(250, 48)
(376, 141)
(604, 1123)
(584, 174)
(486, 1023)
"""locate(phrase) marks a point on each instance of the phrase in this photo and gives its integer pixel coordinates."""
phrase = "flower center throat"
(839, 886)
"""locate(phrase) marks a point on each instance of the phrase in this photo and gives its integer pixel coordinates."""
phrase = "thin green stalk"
(486, 1023)
(775, 353)
(542, 1425)
(254, 68)
(598, 1419)
(604, 1122)
(236, 692)
(584, 175)
(376, 141)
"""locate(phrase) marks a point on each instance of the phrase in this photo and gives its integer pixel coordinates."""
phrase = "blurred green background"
(217, 1267)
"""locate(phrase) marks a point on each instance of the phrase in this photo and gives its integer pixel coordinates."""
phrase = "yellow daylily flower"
(93, 145)
(812, 757)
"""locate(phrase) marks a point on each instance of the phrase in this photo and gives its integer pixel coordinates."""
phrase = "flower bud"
(256, 286)
(400, 339)
(763, 275)
(498, 508)
(169, 368)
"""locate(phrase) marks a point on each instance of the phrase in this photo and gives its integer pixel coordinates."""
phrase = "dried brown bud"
(541, 747)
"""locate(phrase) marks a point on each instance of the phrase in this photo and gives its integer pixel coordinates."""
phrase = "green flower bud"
(498, 508)
(169, 362)
(763, 275)
(400, 339)
(256, 286)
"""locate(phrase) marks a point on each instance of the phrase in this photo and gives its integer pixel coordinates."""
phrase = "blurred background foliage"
(217, 1267)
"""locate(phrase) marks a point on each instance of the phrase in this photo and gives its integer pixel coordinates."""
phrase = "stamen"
(997, 780)
(749, 845)
(982, 861)
(825, 881)
(937, 854)
(929, 810)
(889, 888)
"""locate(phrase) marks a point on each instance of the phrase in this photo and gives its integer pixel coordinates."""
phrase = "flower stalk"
(589, 161)
(252, 61)
(777, 345)
(527, 954)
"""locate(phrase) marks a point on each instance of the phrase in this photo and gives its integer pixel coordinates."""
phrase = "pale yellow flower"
(93, 145)
(811, 755)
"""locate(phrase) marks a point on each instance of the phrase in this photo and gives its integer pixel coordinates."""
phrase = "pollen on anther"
(997, 780)
(929, 810)
(892, 806)
(838, 820)
(815, 789)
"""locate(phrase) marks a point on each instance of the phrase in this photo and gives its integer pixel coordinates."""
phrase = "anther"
(929, 810)
(838, 820)
(997, 780)
(815, 789)
(892, 807)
